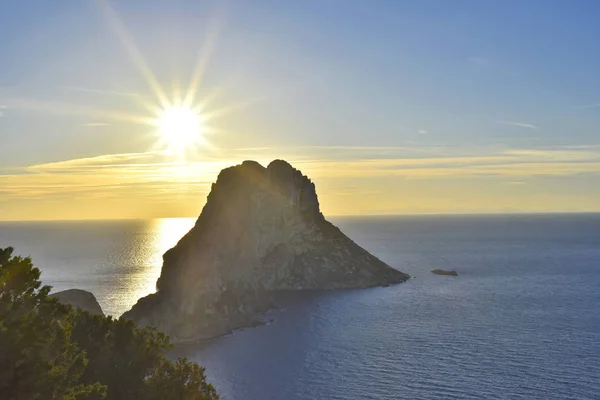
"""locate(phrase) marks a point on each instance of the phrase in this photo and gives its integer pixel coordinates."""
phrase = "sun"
(180, 128)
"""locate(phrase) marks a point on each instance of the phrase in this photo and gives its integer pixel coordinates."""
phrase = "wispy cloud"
(422, 132)
(98, 91)
(93, 124)
(519, 124)
(150, 175)
(588, 106)
(102, 161)
(153, 166)
(1, 110)
(71, 109)
(342, 170)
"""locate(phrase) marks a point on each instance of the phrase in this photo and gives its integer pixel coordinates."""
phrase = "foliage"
(180, 380)
(51, 351)
(37, 358)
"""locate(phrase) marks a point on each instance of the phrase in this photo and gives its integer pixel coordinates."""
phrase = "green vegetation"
(52, 351)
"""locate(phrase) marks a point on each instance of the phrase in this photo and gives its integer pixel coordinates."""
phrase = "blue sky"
(387, 104)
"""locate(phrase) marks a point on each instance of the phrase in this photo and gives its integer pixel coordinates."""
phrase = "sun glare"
(180, 128)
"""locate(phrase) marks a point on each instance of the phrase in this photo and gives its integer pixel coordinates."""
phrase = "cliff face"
(261, 230)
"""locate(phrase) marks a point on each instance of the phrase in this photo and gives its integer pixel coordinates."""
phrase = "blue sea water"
(522, 320)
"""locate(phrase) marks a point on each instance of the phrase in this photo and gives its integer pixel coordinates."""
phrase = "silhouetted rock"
(261, 231)
(81, 299)
(444, 272)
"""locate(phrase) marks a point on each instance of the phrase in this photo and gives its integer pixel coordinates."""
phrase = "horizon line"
(465, 214)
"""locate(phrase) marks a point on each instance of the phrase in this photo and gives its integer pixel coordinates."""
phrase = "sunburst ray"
(133, 51)
(204, 55)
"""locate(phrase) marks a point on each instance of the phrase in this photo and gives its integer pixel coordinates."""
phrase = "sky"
(390, 107)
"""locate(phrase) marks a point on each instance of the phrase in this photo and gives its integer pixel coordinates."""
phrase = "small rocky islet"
(81, 299)
(444, 272)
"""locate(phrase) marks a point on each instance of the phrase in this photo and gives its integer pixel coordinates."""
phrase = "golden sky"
(152, 184)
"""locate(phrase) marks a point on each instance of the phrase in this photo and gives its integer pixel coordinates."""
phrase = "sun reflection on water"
(163, 234)
(168, 231)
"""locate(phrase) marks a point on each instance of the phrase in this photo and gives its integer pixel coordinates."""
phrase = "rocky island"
(260, 231)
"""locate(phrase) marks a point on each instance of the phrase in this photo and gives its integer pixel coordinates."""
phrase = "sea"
(521, 321)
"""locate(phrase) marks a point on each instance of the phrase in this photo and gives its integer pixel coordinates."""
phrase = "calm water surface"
(522, 321)
(118, 261)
